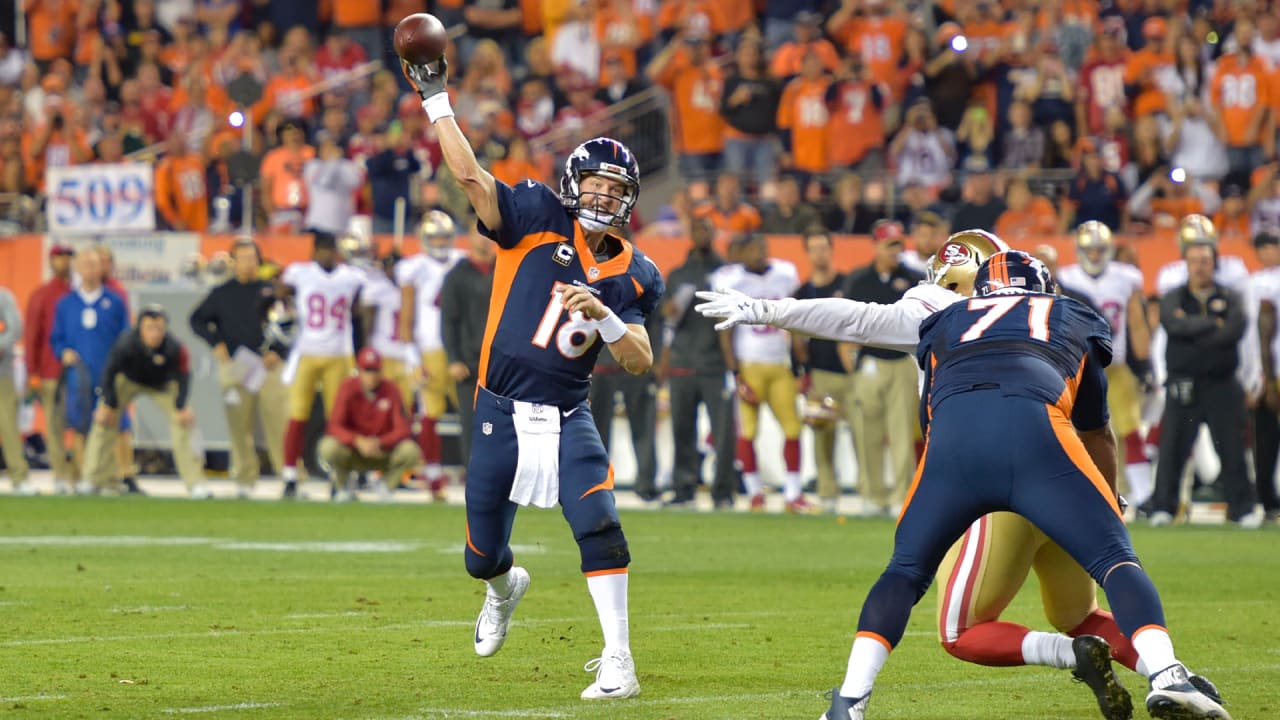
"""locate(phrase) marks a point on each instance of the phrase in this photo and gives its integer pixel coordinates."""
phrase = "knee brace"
(604, 549)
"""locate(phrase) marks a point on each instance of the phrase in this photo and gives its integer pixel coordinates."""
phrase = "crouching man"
(146, 361)
(368, 429)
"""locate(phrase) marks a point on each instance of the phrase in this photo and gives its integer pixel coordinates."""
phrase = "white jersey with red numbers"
(324, 302)
(425, 274)
(383, 296)
(1109, 293)
(762, 343)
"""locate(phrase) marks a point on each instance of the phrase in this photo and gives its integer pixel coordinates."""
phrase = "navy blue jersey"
(1048, 348)
(533, 351)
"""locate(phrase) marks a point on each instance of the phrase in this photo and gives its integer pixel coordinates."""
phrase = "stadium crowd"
(795, 117)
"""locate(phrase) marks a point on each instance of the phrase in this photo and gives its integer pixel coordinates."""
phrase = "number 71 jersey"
(532, 349)
(1030, 345)
(323, 302)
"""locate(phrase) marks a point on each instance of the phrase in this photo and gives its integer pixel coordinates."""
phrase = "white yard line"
(31, 698)
(218, 708)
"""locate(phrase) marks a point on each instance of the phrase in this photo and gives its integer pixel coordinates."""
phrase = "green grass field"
(146, 608)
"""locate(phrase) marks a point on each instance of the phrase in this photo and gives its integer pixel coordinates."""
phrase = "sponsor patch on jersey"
(956, 254)
(563, 254)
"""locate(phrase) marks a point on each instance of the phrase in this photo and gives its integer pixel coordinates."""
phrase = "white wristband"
(611, 328)
(437, 106)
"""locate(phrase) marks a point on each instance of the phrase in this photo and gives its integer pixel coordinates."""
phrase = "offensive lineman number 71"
(997, 307)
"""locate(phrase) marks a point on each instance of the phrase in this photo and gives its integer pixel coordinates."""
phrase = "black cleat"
(843, 708)
(131, 486)
(1093, 668)
(1181, 699)
(290, 490)
(1207, 688)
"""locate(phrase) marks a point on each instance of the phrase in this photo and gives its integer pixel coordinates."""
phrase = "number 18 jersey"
(533, 350)
(324, 302)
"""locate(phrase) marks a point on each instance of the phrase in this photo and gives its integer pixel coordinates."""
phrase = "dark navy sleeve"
(645, 272)
(527, 208)
(1090, 409)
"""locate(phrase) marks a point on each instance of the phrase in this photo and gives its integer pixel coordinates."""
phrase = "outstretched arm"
(480, 187)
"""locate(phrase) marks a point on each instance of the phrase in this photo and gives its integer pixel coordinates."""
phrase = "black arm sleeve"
(1090, 409)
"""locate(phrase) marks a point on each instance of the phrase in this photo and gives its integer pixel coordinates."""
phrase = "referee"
(231, 320)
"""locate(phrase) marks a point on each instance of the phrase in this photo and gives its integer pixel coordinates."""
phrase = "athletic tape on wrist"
(437, 106)
(611, 328)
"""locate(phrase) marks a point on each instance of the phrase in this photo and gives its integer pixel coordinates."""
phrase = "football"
(420, 38)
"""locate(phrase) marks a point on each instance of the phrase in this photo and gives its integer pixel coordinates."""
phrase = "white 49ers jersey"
(425, 274)
(1265, 285)
(383, 296)
(324, 302)
(1231, 273)
(1110, 293)
(764, 343)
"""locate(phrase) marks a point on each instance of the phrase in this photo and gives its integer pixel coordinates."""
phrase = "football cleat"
(1180, 699)
(25, 489)
(131, 486)
(1093, 668)
(290, 490)
(757, 503)
(800, 506)
(1203, 684)
(495, 616)
(615, 677)
(843, 708)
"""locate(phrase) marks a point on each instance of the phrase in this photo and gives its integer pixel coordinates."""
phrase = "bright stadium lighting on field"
(959, 43)
(236, 118)
(1178, 175)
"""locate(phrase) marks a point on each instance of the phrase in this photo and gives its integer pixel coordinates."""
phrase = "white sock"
(752, 481)
(289, 474)
(501, 584)
(791, 487)
(1141, 668)
(1050, 649)
(432, 471)
(1139, 476)
(1154, 648)
(610, 595)
(865, 660)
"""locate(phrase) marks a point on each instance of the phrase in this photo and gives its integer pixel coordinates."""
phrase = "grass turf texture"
(275, 610)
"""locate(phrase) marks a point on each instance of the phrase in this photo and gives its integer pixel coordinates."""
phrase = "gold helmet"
(436, 232)
(1095, 248)
(356, 248)
(821, 411)
(1196, 230)
(956, 262)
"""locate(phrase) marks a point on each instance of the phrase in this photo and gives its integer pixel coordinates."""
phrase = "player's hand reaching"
(429, 79)
(734, 308)
(579, 299)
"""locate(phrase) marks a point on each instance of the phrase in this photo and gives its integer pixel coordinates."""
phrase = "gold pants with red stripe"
(439, 389)
(326, 373)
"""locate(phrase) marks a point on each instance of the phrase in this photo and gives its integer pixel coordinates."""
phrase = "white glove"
(734, 308)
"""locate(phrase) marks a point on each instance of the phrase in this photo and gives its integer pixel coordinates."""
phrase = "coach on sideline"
(232, 318)
(146, 360)
(368, 429)
(10, 436)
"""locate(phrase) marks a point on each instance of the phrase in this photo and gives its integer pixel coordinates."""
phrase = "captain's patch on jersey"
(563, 254)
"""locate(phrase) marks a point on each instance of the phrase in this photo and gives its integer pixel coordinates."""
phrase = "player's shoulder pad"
(1095, 330)
(531, 205)
(295, 269)
(785, 268)
(1131, 273)
(649, 276)
(934, 297)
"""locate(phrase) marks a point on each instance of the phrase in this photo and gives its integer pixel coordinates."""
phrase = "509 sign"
(101, 198)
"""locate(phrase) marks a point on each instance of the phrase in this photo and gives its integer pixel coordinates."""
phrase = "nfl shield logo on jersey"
(487, 428)
(564, 254)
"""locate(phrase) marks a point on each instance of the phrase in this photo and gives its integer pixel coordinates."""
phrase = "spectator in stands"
(928, 233)
(497, 20)
(1060, 151)
(685, 68)
(464, 308)
(694, 364)
(1170, 195)
(1264, 199)
(980, 206)
(857, 101)
(44, 365)
(1204, 322)
(1192, 139)
(368, 429)
(789, 215)
(389, 174)
(1051, 89)
(975, 136)
(47, 22)
(218, 14)
(1135, 161)
(12, 60)
(1243, 113)
(332, 181)
(789, 59)
(1102, 79)
(949, 76)
(728, 211)
(282, 188)
(922, 151)
(584, 115)
(749, 105)
(517, 165)
(1027, 218)
(181, 196)
(1191, 76)
(780, 19)
(1232, 218)
(55, 143)
(535, 109)
(226, 204)
(617, 83)
(575, 46)
(804, 122)
(10, 434)
(359, 20)
(848, 214)
(827, 369)
(884, 381)
(1095, 194)
(86, 323)
(1023, 142)
(231, 319)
